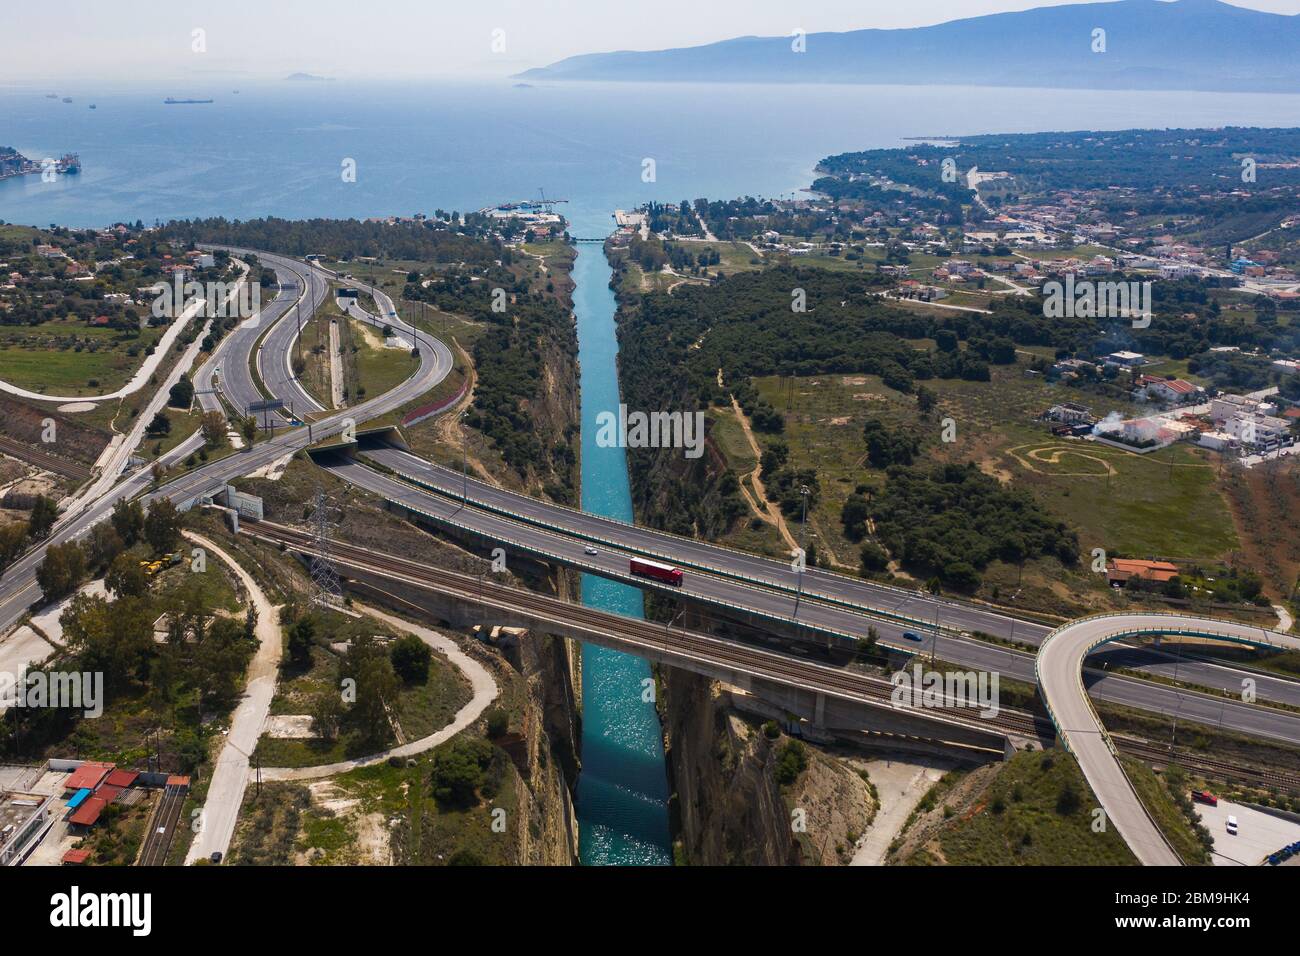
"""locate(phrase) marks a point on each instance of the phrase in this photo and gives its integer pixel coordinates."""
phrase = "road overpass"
(18, 587)
(746, 600)
(832, 697)
(1059, 669)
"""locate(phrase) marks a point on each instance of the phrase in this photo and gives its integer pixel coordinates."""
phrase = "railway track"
(770, 665)
(25, 451)
(162, 827)
(1286, 780)
(765, 664)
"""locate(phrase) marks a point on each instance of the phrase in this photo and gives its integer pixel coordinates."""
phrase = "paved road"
(302, 290)
(483, 689)
(18, 588)
(227, 370)
(922, 609)
(230, 773)
(1060, 666)
(838, 617)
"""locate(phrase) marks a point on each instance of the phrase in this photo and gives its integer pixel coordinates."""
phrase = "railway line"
(642, 636)
(781, 668)
(162, 826)
(34, 456)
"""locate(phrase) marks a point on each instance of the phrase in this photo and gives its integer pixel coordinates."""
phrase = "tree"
(41, 521)
(104, 544)
(854, 517)
(498, 722)
(302, 635)
(791, 761)
(181, 395)
(13, 538)
(458, 768)
(411, 658)
(125, 577)
(327, 714)
(116, 638)
(889, 446)
(925, 400)
(161, 425)
(220, 659)
(62, 570)
(376, 686)
(162, 526)
(248, 427)
(214, 429)
(128, 520)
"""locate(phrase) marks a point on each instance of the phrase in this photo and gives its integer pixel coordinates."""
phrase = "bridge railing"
(1209, 633)
(752, 581)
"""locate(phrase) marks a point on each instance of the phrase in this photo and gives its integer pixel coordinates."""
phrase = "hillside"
(1149, 44)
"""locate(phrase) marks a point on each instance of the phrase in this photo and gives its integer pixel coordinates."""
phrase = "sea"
(281, 149)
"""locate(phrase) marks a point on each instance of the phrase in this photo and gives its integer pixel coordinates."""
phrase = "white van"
(1232, 825)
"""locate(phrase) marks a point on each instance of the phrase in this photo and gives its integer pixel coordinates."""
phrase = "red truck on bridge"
(660, 572)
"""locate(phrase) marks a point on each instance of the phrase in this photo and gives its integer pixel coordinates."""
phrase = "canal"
(622, 798)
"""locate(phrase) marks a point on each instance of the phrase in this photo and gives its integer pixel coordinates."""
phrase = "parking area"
(1258, 834)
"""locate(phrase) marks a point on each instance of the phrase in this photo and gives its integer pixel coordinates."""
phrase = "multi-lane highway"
(18, 587)
(765, 589)
(228, 371)
(761, 588)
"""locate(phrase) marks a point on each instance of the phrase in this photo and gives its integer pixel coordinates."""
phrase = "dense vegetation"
(343, 240)
(951, 521)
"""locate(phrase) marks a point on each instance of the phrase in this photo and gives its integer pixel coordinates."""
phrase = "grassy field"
(379, 368)
(65, 356)
(1035, 810)
(420, 709)
(1118, 500)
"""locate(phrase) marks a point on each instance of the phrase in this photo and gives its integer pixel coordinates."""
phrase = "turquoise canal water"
(276, 149)
(623, 789)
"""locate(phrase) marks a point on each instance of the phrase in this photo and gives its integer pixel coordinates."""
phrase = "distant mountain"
(1148, 44)
(308, 78)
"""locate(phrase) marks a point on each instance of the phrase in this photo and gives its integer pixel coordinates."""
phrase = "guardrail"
(1131, 632)
(754, 582)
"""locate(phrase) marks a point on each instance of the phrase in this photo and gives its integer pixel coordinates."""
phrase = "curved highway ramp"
(1059, 668)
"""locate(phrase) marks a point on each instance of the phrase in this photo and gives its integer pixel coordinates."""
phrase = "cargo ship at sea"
(172, 101)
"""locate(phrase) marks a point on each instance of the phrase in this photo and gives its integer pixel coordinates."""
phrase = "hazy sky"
(126, 42)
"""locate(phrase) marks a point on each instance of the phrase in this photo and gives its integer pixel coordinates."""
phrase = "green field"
(1036, 811)
(1165, 505)
(64, 356)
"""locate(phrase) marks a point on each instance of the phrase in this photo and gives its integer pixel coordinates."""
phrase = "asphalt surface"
(1060, 663)
(611, 561)
(18, 588)
(228, 370)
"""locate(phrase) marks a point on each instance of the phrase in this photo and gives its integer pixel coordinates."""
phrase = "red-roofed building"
(121, 778)
(1175, 391)
(76, 857)
(1119, 571)
(175, 781)
(87, 814)
(88, 776)
(107, 793)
